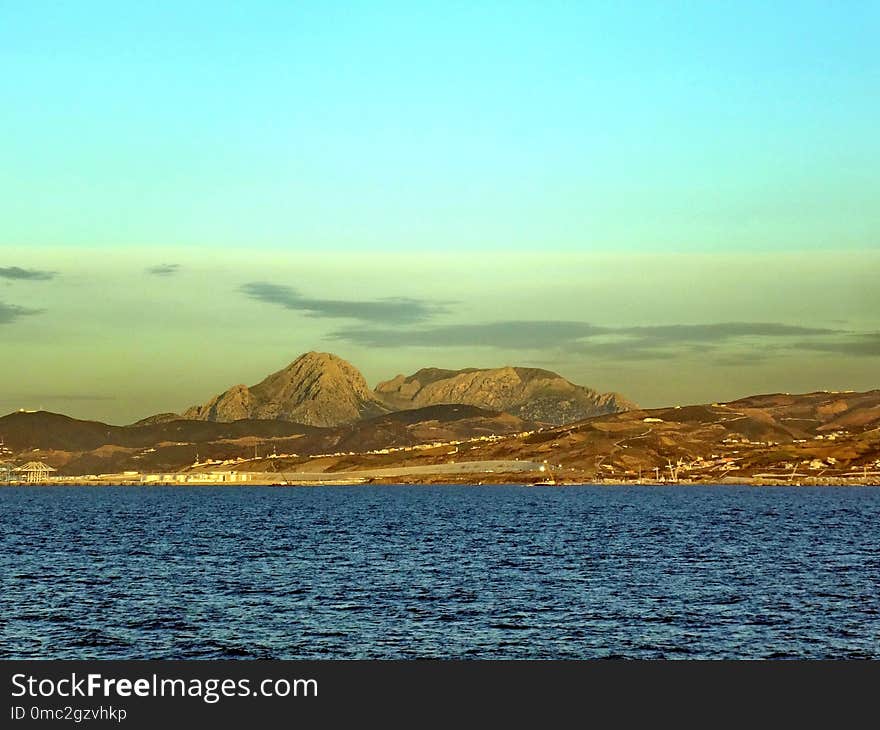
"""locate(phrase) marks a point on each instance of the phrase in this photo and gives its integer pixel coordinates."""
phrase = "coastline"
(447, 480)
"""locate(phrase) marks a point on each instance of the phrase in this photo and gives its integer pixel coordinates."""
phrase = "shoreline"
(368, 482)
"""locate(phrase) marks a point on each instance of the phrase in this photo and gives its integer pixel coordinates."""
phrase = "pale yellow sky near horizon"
(105, 339)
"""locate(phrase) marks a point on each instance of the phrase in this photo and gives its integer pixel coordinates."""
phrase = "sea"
(457, 572)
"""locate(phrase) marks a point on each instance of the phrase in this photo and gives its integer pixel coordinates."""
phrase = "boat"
(550, 481)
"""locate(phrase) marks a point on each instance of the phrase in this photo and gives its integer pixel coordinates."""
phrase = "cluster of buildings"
(204, 477)
(205, 471)
(432, 445)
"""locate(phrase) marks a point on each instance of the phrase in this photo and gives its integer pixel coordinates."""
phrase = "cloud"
(582, 338)
(11, 312)
(720, 331)
(163, 269)
(624, 349)
(668, 341)
(19, 274)
(514, 335)
(858, 345)
(395, 310)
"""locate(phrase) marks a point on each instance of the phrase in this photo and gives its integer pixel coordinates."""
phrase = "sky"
(676, 201)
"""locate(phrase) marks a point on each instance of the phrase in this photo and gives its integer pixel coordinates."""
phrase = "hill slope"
(778, 439)
(88, 447)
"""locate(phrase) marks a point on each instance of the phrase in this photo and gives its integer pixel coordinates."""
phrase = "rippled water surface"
(483, 572)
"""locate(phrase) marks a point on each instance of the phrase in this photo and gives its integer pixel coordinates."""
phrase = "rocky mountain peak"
(316, 389)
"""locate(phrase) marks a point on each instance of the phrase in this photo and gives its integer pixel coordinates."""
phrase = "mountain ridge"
(322, 389)
(530, 393)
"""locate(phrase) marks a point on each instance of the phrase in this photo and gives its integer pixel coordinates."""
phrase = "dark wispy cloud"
(859, 345)
(582, 338)
(719, 331)
(615, 348)
(19, 274)
(396, 310)
(739, 358)
(514, 335)
(11, 312)
(667, 341)
(163, 269)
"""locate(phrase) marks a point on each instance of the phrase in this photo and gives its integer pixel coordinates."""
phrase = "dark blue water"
(483, 572)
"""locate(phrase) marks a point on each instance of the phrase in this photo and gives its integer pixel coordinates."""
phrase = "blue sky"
(487, 136)
(649, 126)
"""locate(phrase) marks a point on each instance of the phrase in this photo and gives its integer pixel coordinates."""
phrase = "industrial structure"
(34, 472)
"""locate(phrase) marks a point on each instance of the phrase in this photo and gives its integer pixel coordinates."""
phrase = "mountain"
(316, 389)
(529, 393)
